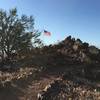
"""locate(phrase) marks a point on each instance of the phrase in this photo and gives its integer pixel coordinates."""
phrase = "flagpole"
(42, 34)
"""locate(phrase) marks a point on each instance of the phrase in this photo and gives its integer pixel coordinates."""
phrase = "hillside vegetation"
(69, 70)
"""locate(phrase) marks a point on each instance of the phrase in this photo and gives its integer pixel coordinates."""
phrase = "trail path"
(26, 89)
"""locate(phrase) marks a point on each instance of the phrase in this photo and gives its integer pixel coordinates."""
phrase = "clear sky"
(79, 18)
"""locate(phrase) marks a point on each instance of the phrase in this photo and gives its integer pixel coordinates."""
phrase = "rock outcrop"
(70, 90)
(80, 51)
(74, 52)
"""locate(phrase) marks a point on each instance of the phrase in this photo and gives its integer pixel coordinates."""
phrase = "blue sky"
(79, 18)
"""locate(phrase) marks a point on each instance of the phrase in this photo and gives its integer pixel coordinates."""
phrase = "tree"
(16, 33)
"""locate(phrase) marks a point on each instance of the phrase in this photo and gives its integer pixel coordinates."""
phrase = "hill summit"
(78, 50)
(73, 54)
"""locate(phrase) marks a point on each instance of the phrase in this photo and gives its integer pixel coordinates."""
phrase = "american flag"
(47, 33)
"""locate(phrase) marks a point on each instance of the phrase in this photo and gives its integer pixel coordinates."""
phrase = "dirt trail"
(25, 89)
(37, 86)
(28, 87)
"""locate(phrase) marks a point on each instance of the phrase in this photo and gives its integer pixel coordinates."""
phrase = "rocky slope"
(78, 50)
(82, 58)
(75, 63)
(69, 90)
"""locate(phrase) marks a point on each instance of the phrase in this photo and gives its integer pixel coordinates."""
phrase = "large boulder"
(75, 47)
(50, 91)
(93, 50)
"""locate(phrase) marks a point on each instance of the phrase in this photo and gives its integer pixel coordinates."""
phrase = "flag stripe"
(47, 33)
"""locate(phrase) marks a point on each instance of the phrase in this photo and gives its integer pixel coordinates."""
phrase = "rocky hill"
(78, 64)
(78, 50)
(69, 70)
(82, 58)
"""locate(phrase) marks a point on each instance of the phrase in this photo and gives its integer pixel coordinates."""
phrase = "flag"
(47, 33)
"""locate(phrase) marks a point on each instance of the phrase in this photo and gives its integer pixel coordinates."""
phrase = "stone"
(93, 50)
(40, 95)
(75, 47)
(47, 88)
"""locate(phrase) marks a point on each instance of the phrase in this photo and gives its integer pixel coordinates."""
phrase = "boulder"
(75, 47)
(93, 50)
(40, 96)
